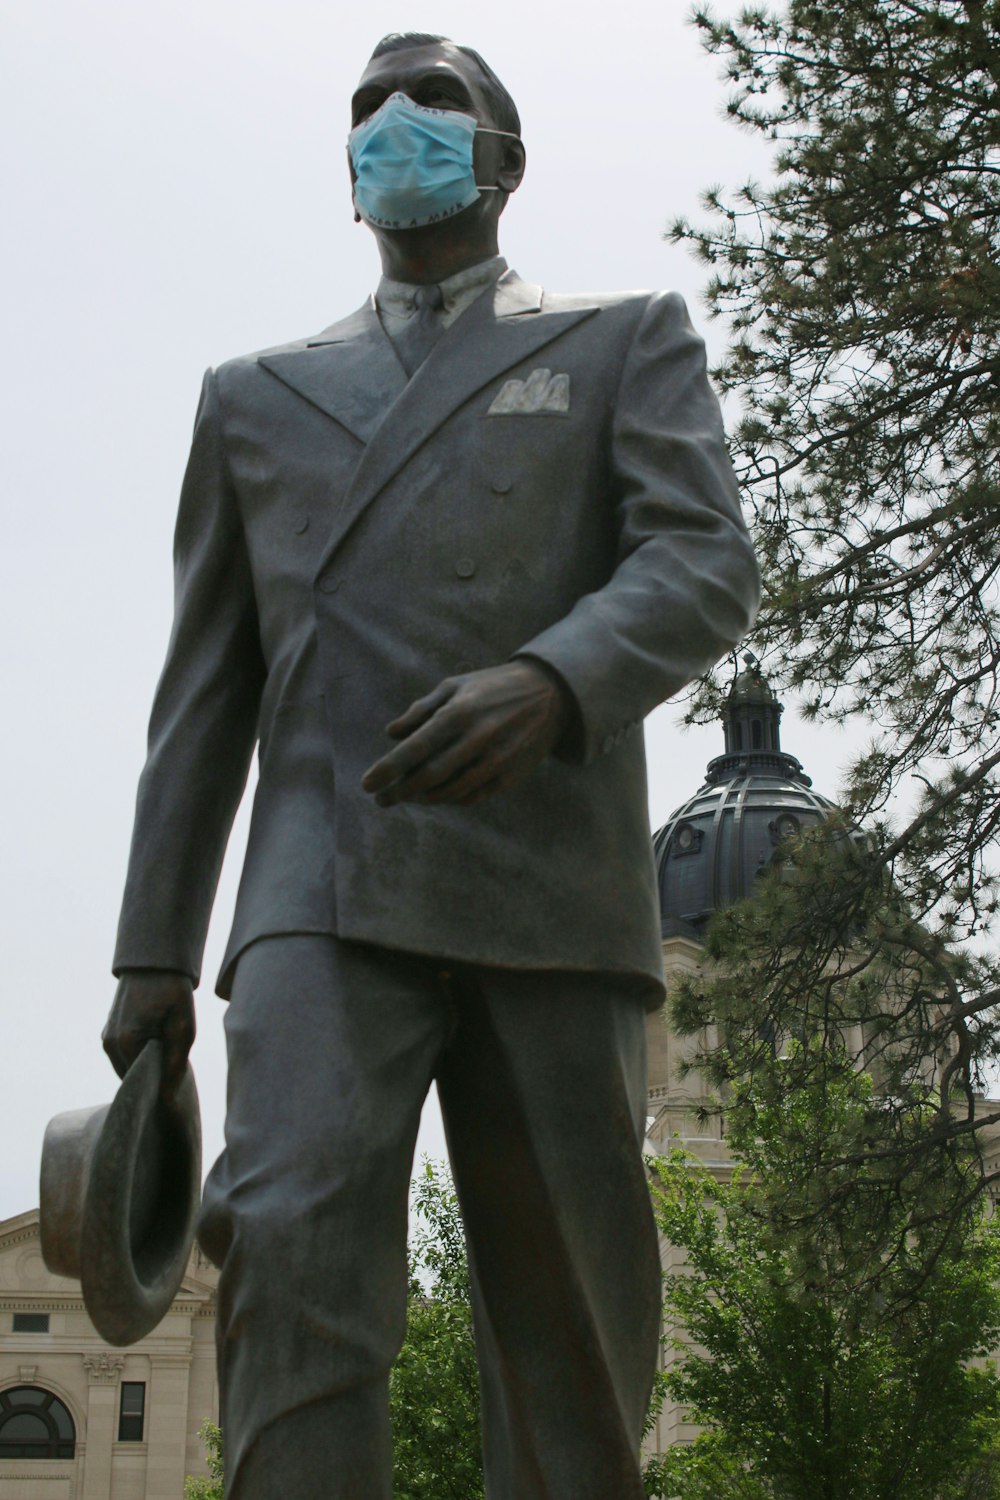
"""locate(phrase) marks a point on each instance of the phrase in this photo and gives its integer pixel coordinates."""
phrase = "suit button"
(502, 485)
(465, 567)
(300, 524)
(329, 585)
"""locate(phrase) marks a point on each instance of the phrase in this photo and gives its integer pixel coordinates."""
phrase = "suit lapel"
(493, 334)
(350, 372)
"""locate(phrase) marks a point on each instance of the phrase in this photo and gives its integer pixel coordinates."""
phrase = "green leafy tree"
(861, 284)
(211, 1488)
(434, 1386)
(815, 1383)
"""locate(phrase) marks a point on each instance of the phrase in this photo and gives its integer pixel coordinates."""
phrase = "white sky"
(175, 193)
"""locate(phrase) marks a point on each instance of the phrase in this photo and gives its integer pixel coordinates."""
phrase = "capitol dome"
(711, 850)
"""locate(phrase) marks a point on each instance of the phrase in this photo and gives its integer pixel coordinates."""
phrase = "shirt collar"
(398, 296)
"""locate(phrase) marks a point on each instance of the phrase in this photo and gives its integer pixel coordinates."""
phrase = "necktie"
(423, 330)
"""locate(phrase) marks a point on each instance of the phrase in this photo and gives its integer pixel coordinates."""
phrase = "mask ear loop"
(485, 130)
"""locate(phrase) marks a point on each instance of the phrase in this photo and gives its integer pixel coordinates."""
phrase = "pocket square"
(541, 394)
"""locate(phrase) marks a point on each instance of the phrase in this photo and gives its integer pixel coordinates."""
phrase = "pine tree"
(862, 287)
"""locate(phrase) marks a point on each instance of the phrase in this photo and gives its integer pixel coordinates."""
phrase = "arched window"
(35, 1424)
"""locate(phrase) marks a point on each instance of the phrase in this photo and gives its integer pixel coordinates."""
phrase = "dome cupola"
(711, 850)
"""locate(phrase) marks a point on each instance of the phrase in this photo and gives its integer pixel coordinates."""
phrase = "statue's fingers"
(502, 758)
(419, 712)
(468, 783)
(175, 1056)
(178, 1037)
(128, 1042)
(440, 770)
(435, 735)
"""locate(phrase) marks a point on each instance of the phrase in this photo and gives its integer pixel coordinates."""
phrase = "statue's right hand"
(151, 1004)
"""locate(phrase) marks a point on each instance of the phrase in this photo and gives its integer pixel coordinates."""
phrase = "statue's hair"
(504, 109)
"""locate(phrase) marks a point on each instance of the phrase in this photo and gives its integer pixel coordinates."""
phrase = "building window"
(35, 1424)
(686, 839)
(132, 1414)
(31, 1322)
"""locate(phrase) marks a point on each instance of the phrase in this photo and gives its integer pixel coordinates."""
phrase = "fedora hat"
(120, 1188)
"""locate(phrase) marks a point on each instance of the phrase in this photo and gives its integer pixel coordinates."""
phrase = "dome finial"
(751, 720)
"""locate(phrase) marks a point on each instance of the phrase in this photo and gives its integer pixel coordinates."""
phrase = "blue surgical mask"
(413, 165)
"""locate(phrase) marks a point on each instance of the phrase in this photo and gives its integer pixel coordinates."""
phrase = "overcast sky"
(175, 193)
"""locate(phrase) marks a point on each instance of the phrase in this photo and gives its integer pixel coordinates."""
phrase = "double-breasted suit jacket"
(552, 481)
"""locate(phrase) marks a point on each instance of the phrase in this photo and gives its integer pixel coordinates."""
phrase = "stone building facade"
(80, 1420)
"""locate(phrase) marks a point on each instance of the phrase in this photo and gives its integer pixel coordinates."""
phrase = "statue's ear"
(512, 166)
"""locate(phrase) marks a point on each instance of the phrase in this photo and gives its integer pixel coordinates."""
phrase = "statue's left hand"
(151, 1005)
(472, 737)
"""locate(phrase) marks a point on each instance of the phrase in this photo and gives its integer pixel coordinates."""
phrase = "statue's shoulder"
(621, 311)
(575, 301)
(235, 369)
(244, 361)
(234, 372)
(631, 303)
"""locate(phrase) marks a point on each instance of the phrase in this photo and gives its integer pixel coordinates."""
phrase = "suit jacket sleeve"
(204, 720)
(685, 586)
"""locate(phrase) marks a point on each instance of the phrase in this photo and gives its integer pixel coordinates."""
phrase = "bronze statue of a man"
(437, 562)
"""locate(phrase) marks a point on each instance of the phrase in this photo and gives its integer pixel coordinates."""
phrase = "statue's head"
(435, 137)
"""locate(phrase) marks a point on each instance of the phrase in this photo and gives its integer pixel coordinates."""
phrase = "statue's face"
(439, 76)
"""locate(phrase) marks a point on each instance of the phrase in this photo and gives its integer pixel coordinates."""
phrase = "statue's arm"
(202, 731)
(686, 586)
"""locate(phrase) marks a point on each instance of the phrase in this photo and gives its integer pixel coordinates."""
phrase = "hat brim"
(141, 1202)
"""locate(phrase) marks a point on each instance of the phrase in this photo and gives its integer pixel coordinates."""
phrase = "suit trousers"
(541, 1076)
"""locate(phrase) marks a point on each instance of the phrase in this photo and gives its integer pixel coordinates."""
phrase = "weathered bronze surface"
(119, 1195)
(440, 580)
